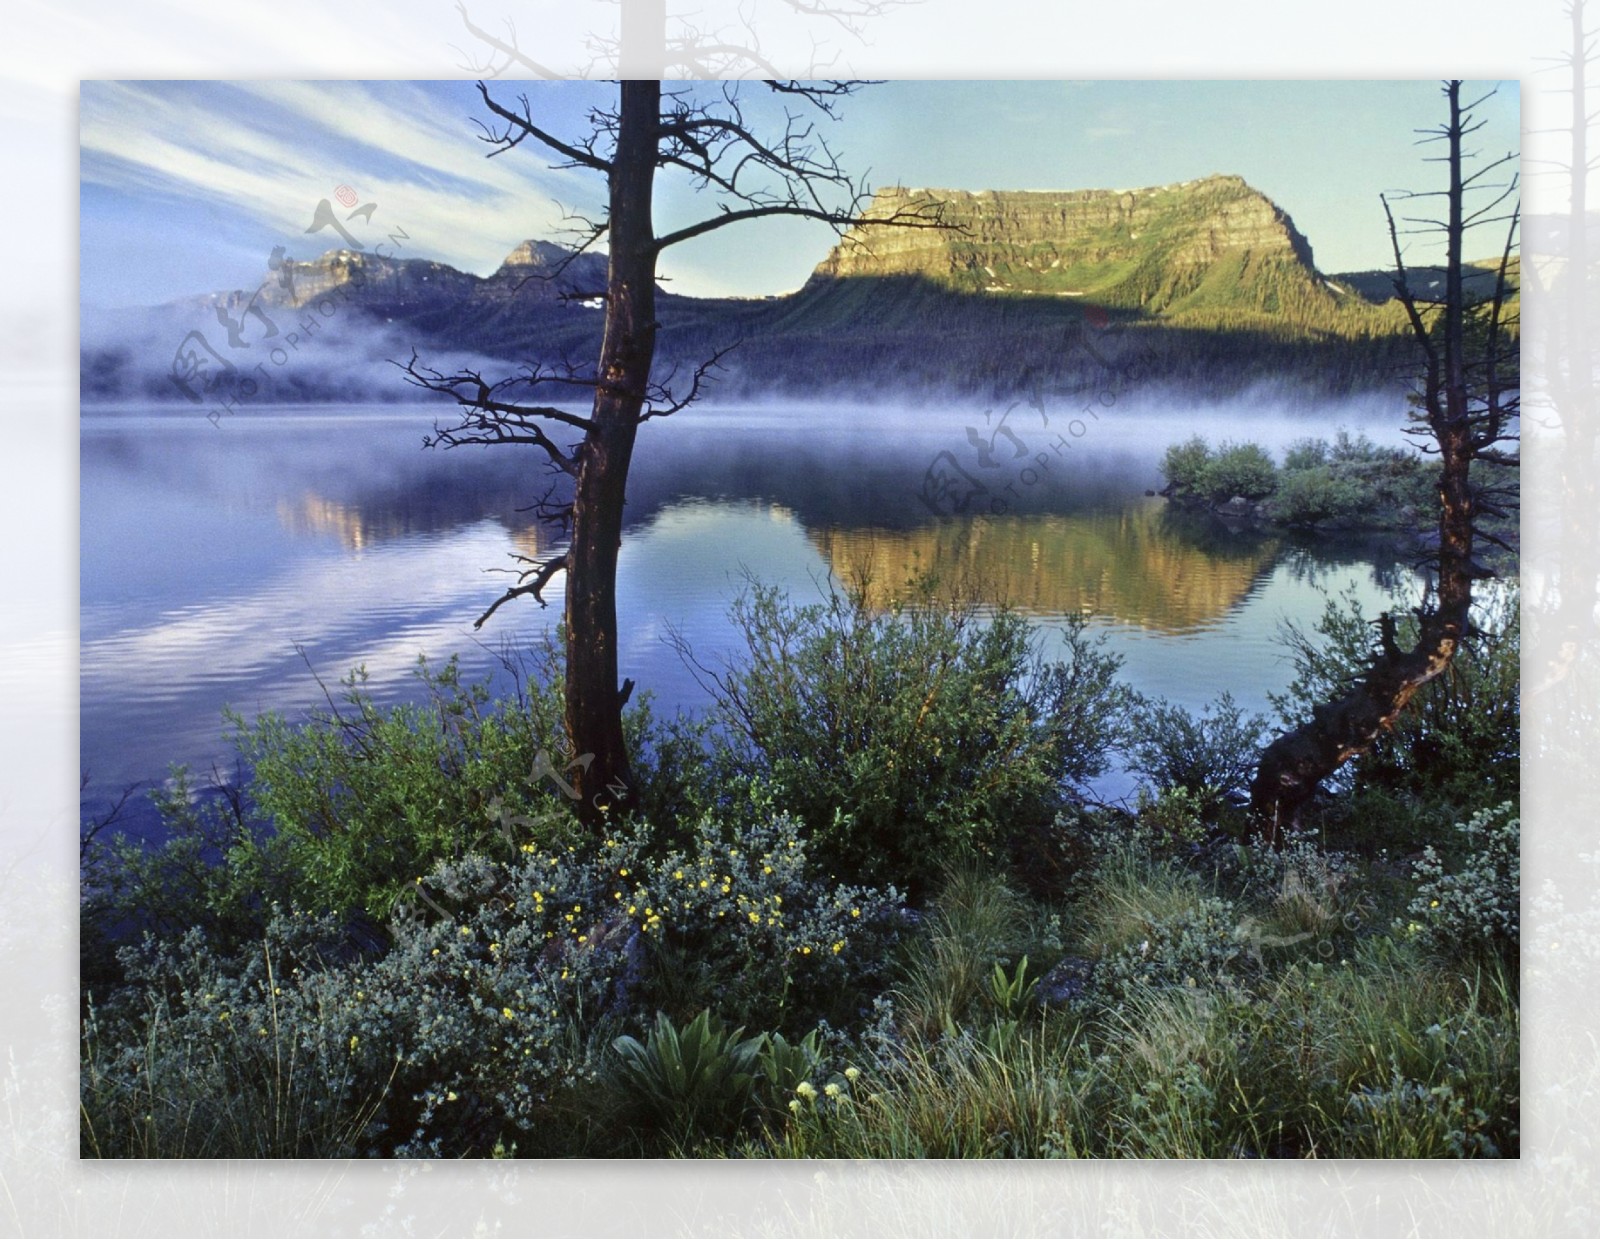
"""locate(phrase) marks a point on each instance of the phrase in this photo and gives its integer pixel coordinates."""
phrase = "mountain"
(1478, 278)
(1206, 283)
(1162, 250)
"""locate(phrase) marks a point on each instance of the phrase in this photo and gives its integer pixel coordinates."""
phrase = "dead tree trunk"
(1294, 765)
(594, 697)
(709, 139)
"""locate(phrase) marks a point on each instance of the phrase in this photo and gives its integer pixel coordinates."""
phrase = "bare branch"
(512, 53)
(533, 582)
(520, 126)
(661, 393)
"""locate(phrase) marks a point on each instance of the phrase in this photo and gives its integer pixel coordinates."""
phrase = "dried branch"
(661, 394)
(514, 55)
(533, 582)
(520, 125)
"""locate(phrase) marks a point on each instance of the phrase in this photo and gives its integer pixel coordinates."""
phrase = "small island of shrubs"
(1350, 483)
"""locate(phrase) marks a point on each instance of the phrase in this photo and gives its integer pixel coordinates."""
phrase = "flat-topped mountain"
(1193, 249)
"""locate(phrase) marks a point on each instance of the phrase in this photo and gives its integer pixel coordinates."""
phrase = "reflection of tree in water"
(1314, 561)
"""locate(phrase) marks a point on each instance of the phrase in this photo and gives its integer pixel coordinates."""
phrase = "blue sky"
(186, 187)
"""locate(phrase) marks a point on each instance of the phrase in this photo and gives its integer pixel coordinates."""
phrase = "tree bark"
(593, 694)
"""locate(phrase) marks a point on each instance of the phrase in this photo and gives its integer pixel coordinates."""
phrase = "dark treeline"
(833, 337)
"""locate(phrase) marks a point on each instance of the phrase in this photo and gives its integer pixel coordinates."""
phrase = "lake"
(222, 565)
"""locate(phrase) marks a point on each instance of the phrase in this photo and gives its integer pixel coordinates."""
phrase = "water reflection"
(1140, 564)
(212, 558)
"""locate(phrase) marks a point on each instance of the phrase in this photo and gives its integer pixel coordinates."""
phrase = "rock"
(1238, 506)
(1065, 984)
(1031, 241)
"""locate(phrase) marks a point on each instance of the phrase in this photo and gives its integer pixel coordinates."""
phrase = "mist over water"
(213, 556)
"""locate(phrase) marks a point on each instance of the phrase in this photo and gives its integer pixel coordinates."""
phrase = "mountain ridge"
(1214, 280)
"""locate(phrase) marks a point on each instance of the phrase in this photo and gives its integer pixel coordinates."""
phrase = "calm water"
(213, 557)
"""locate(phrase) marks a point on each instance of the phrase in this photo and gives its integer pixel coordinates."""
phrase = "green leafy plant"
(695, 1082)
(1011, 992)
(782, 1065)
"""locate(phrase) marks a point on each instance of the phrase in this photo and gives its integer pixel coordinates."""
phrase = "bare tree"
(1467, 407)
(710, 134)
(686, 44)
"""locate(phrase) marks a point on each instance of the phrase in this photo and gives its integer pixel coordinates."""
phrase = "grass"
(1385, 1052)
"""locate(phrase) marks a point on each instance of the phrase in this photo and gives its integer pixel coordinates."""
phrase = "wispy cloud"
(270, 150)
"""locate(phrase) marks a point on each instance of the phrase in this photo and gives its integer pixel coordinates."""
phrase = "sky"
(188, 186)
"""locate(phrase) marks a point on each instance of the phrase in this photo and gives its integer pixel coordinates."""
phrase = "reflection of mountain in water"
(358, 526)
(870, 480)
(1139, 565)
(355, 527)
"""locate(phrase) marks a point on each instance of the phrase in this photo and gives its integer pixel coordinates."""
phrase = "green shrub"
(502, 986)
(217, 870)
(1210, 756)
(199, 1056)
(1184, 464)
(1472, 908)
(1321, 493)
(340, 814)
(1305, 454)
(1172, 822)
(363, 798)
(1242, 469)
(743, 920)
(1198, 946)
(1348, 449)
(909, 737)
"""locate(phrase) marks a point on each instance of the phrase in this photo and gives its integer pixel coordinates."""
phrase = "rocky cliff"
(1215, 243)
(536, 271)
